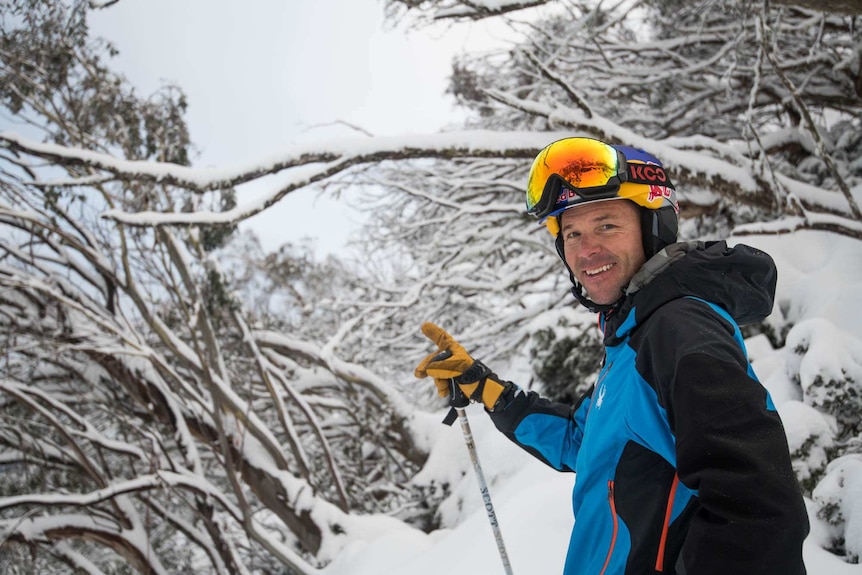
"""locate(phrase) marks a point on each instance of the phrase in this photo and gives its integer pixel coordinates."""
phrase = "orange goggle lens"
(586, 165)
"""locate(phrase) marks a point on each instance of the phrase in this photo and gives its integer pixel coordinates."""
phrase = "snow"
(843, 488)
(819, 276)
(803, 424)
(519, 485)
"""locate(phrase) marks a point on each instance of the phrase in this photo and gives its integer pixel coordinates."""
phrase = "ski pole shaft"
(483, 488)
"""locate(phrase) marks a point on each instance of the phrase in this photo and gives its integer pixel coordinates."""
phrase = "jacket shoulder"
(684, 327)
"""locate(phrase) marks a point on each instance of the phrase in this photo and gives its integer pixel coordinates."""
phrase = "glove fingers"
(450, 359)
(437, 334)
(441, 337)
(442, 387)
(449, 368)
(421, 370)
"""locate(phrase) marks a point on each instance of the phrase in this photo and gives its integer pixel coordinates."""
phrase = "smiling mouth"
(598, 270)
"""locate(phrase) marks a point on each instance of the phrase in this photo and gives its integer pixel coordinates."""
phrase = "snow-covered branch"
(463, 9)
(342, 153)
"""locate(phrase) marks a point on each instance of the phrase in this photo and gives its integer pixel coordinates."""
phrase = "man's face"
(603, 246)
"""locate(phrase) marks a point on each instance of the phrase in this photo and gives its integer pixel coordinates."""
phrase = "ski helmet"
(574, 171)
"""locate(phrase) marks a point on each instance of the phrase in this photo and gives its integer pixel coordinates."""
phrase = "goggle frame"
(561, 166)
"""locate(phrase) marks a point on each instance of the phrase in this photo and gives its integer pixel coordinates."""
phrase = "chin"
(598, 300)
(604, 299)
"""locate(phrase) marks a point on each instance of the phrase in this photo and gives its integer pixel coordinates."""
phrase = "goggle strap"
(556, 184)
(549, 196)
(648, 174)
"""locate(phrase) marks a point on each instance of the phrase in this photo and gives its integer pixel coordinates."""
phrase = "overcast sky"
(264, 74)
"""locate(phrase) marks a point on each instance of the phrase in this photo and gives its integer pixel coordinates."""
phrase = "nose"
(586, 247)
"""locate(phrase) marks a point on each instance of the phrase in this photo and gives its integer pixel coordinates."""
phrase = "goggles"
(577, 170)
(587, 168)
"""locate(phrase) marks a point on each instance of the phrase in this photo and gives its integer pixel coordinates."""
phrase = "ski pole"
(459, 401)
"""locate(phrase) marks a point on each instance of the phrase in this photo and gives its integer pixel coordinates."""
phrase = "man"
(681, 460)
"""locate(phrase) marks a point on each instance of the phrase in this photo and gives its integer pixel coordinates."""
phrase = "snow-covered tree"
(154, 415)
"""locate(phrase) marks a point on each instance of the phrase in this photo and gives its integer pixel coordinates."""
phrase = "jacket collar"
(740, 279)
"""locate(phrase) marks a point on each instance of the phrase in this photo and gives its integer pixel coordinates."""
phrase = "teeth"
(598, 270)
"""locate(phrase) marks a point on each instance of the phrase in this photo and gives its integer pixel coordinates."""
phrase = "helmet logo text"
(566, 195)
(647, 174)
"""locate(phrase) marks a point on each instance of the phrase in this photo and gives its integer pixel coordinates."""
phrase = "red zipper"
(659, 561)
(616, 525)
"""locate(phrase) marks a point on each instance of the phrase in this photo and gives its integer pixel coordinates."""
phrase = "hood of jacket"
(740, 279)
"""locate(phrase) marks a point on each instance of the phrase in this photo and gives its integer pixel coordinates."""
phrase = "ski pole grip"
(457, 400)
(456, 396)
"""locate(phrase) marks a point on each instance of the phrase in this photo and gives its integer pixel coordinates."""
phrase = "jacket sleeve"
(550, 431)
(731, 447)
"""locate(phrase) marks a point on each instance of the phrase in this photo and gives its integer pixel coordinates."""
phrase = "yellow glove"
(451, 362)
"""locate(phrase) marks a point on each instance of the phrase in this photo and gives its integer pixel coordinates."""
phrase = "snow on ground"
(819, 276)
(532, 503)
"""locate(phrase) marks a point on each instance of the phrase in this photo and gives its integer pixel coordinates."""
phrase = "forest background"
(173, 397)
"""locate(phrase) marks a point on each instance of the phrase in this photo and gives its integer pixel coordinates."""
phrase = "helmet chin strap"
(578, 289)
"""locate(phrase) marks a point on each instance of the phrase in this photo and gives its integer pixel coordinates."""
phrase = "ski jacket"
(681, 460)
